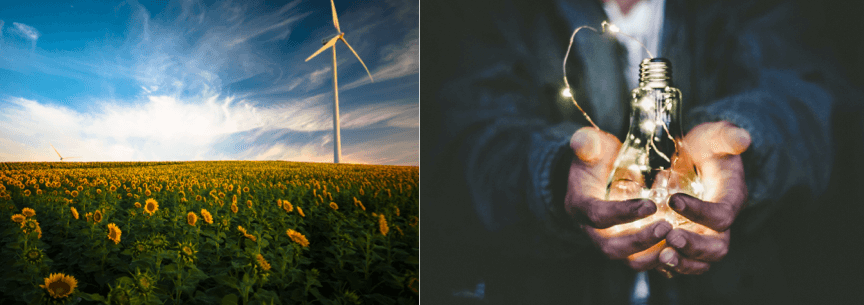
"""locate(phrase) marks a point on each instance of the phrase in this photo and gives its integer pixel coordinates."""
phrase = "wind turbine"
(58, 153)
(328, 43)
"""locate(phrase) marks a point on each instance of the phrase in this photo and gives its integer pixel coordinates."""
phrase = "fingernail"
(648, 207)
(668, 258)
(661, 229)
(742, 137)
(678, 241)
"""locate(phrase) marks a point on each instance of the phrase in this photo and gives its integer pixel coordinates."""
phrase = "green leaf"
(230, 299)
(92, 297)
(227, 281)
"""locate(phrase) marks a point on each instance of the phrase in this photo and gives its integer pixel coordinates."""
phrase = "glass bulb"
(650, 164)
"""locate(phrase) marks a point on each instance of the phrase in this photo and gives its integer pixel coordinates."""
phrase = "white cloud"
(26, 31)
(400, 60)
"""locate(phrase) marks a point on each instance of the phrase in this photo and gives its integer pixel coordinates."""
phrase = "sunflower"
(279, 202)
(241, 229)
(60, 285)
(234, 199)
(334, 206)
(144, 282)
(187, 251)
(245, 189)
(74, 194)
(297, 237)
(197, 197)
(262, 262)
(137, 205)
(361, 205)
(400, 230)
(98, 192)
(26, 193)
(234, 208)
(151, 206)
(397, 211)
(97, 216)
(28, 212)
(207, 217)
(158, 241)
(114, 233)
(250, 236)
(80, 188)
(191, 218)
(287, 206)
(139, 247)
(249, 203)
(33, 255)
(112, 188)
(18, 218)
(74, 212)
(300, 211)
(89, 216)
(382, 225)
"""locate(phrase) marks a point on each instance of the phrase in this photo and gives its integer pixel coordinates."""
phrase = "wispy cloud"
(399, 60)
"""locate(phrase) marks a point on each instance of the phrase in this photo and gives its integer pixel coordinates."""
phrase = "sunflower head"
(241, 229)
(114, 233)
(234, 208)
(80, 188)
(191, 218)
(60, 285)
(97, 216)
(208, 218)
(137, 205)
(18, 218)
(144, 282)
(33, 255)
(28, 212)
(112, 188)
(300, 211)
(298, 237)
(287, 206)
(197, 197)
(262, 262)
(382, 225)
(151, 206)
(334, 206)
(74, 212)
(186, 251)
(139, 247)
(74, 194)
(158, 241)
(234, 199)
(245, 189)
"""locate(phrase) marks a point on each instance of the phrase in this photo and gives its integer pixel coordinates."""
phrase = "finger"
(709, 140)
(684, 265)
(698, 247)
(592, 145)
(716, 216)
(602, 214)
(622, 246)
(646, 259)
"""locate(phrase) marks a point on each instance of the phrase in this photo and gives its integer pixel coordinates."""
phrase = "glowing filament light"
(566, 92)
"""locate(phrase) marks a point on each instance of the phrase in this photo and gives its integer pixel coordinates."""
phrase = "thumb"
(712, 139)
(591, 144)
(734, 140)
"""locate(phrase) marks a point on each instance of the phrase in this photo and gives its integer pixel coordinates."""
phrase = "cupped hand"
(715, 150)
(595, 152)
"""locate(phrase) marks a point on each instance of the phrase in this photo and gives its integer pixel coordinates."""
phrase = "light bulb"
(650, 163)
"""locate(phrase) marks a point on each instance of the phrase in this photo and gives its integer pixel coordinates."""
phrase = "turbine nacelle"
(331, 37)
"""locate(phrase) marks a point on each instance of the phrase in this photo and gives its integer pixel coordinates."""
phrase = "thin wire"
(603, 25)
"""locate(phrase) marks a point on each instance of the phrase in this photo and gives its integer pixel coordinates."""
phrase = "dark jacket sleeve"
(501, 108)
(772, 87)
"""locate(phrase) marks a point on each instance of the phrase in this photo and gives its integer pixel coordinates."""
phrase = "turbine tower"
(58, 153)
(331, 43)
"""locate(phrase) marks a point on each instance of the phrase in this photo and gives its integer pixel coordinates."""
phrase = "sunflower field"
(220, 232)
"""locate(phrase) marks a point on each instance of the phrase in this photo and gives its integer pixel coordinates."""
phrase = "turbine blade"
(329, 44)
(335, 19)
(55, 150)
(358, 57)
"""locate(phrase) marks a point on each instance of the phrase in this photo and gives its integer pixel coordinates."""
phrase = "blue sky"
(207, 80)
